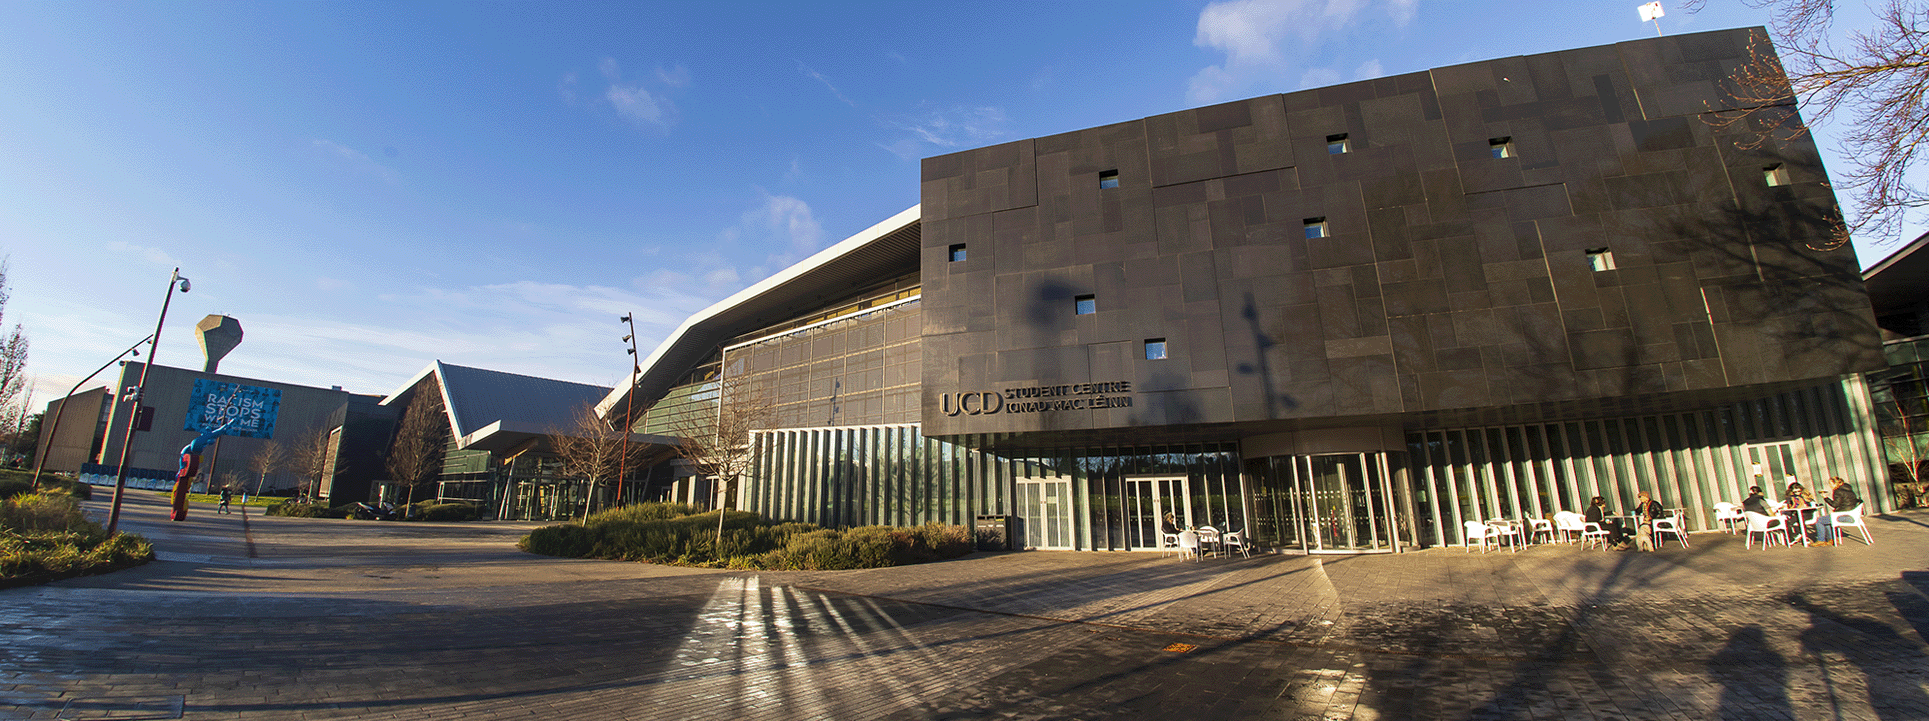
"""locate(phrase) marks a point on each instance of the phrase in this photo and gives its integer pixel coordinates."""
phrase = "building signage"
(1038, 399)
(251, 407)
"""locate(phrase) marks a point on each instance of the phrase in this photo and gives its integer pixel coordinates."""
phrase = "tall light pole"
(53, 433)
(629, 401)
(134, 410)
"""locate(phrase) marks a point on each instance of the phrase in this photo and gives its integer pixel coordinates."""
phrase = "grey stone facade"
(1453, 281)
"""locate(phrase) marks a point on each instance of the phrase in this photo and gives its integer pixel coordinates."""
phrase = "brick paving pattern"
(334, 619)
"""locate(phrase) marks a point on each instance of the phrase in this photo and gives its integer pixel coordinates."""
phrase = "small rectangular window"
(1085, 305)
(1155, 349)
(1600, 259)
(1501, 147)
(1336, 144)
(1108, 179)
(957, 252)
(1315, 228)
(1775, 175)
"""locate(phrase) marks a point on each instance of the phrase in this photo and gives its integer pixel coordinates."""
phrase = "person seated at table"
(1796, 496)
(1840, 498)
(1756, 502)
(1645, 511)
(1597, 514)
(1169, 524)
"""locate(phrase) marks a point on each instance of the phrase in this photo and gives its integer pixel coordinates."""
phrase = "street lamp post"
(40, 458)
(629, 400)
(134, 411)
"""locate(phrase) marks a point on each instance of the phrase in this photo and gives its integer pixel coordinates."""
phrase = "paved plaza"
(249, 617)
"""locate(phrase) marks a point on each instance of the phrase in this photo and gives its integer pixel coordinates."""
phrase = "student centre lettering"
(1039, 399)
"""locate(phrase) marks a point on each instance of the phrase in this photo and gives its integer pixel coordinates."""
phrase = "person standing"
(227, 495)
(1840, 498)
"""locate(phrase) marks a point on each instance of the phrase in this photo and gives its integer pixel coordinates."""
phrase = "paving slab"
(276, 618)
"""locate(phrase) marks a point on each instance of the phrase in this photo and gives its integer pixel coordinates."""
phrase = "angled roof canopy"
(493, 411)
(879, 252)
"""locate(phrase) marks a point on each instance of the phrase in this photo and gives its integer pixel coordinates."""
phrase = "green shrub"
(44, 536)
(41, 512)
(455, 511)
(676, 534)
(294, 509)
(10, 487)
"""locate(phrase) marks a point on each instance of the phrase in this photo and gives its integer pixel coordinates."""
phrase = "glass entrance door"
(1338, 503)
(1045, 514)
(1147, 500)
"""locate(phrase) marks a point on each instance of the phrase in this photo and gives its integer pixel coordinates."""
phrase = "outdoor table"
(1800, 518)
(1511, 528)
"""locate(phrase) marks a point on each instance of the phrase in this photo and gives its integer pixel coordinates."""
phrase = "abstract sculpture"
(191, 464)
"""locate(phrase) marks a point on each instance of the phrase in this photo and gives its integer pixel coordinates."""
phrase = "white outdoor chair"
(1567, 522)
(1727, 515)
(1188, 545)
(1538, 526)
(1209, 539)
(1670, 525)
(1853, 518)
(1770, 528)
(1235, 540)
(1168, 543)
(1593, 533)
(1478, 532)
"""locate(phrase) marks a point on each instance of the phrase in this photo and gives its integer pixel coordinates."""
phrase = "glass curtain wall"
(1689, 461)
(1071, 498)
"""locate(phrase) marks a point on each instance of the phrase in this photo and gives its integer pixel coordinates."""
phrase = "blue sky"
(371, 186)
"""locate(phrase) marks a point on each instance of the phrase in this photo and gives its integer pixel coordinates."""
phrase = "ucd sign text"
(1038, 399)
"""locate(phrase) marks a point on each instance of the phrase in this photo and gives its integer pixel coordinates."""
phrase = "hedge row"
(676, 534)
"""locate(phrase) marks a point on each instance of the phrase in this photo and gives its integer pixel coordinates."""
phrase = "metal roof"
(880, 252)
(478, 399)
(1900, 280)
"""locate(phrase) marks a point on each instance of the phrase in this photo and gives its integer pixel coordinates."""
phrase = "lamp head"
(631, 351)
(628, 337)
(185, 285)
(624, 319)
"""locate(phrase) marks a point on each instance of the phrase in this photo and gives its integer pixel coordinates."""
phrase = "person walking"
(227, 495)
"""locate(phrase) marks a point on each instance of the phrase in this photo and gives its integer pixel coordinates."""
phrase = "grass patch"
(44, 536)
(15, 483)
(676, 534)
(257, 501)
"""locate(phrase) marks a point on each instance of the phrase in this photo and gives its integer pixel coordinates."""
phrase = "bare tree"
(718, 444)
(13, 362)
(309, 457)
(415, 457)
(592, 449)
(1903, 443)
(1878, 84)
(270, 457)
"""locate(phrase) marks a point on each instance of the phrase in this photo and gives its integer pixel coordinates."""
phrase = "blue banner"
(252, 407)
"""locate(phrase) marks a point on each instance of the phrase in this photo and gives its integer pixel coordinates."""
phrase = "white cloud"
(1369, 70)
(355, 160)
(1255, 36)
(326, 283)
(819, 77)
(946, 129)
(786, 220)
(634, 103)
(1318, 77)
(675, 76)
(152, 255)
